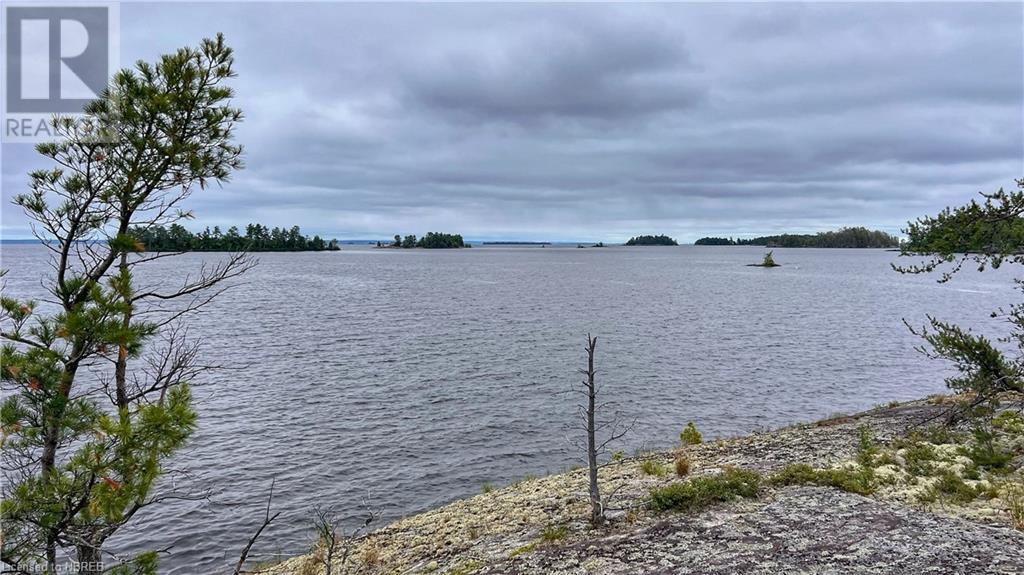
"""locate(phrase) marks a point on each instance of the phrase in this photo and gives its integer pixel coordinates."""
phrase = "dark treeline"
(432, 240)
(844, 238)
(257, 238)
(661, 240)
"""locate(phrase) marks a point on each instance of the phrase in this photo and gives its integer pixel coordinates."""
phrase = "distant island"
(767, 262)
(845, 238)
(431, 241)
(652, 241)
(257, 238)
(516, 243)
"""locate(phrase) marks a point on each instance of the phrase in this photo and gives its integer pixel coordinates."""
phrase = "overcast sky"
(602, 121)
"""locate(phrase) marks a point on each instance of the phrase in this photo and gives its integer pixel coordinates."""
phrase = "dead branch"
(267, 520)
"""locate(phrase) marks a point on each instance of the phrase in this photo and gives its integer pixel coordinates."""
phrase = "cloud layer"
(535, 121)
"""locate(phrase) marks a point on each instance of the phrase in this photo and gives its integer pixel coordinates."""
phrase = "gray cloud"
(602, 121)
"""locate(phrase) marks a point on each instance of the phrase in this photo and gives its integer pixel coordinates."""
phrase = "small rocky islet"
(881, 492)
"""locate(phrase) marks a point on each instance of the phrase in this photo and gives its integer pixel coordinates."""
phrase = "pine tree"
(989, 233)
(97, 392)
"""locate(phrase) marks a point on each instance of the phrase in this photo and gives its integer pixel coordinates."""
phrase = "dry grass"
(682, 465)
(371, 556)
(1015, 500)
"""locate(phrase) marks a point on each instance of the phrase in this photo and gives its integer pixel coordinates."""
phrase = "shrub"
(951, 488)
(522, 550)
(553, 533)
(795, 474)
(1015, 499)
(939, 435)
(886, 458)
(866, 446)
(690, 435)
(466, 567)
(985, 452)
(700, 492)
(618, 455)
(972, 472)
(652, 467)
(682, 465)
(1010, 422)
(860, 480)
(919, 458)
(487, 488)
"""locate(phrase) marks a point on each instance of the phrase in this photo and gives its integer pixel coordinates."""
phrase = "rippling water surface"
(411, 378)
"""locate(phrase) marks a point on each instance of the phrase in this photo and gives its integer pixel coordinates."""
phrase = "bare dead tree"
(590, 423)
(335, 543)
(327, 535)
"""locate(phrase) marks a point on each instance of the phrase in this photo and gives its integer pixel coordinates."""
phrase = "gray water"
(412, 378)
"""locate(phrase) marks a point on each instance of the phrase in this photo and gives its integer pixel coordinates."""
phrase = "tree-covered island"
(431, 241)
(859, 237)
(660, 240)
(257, 238)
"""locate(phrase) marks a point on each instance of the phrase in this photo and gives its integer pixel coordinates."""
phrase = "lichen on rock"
(931, 508)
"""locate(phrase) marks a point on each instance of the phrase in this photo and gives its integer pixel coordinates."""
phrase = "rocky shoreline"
(917, 503)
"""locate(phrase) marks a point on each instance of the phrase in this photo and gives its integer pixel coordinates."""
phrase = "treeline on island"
(257, 238)
(432, 240)
(660, 240)
(845, 238)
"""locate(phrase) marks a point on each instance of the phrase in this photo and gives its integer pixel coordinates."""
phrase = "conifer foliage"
(96, 380)
(987, 233)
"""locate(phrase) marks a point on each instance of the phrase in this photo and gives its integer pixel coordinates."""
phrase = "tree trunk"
(596, 509)
(51, 554)
(121, 367)
(90, 559)
(51, 439)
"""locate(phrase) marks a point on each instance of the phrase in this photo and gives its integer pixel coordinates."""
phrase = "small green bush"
(920, 459)
(466, 567)
(1014, 495)
(886, 458)
(795, 474)
(690, 435)
(652, 467)
(553, 533)
(866, 446)
(860, 480)
(939, 435)
(700, 492)
(986, 452)
(522, 550)
(1010, 422)
(950, 487)
(618, 455)
(487, 488)
(972, 472)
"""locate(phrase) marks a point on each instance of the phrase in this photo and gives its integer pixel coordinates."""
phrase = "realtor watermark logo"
(56, 59)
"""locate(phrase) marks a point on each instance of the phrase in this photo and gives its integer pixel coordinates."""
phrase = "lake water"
(412, 378)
